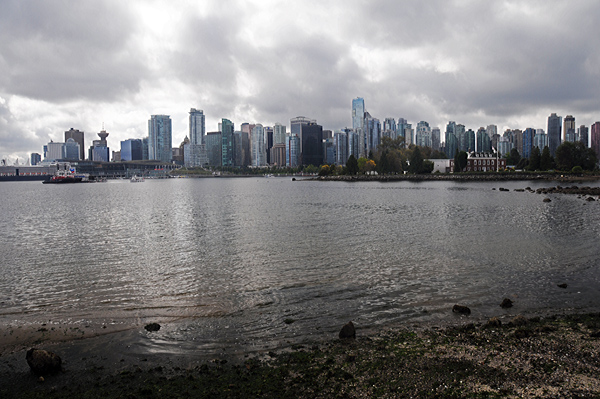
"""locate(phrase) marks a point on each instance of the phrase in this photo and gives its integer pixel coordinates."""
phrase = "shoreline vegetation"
(510, 356)
(489, 176)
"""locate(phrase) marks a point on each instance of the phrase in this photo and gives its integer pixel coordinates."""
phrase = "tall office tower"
(400, 126)
(327, 134)
(358, 113)
(131, 150)
(554, 133)
(341, 147)
(491, 130)
(436, 139)
(197, 126)
(461, 137)
(278, 154)
(423, 134)
(372, 133)
(504, 146)
(471, 141)
(278, 134)
(71, 150)
(528, 136)
(569, 128)
(160, 138)
(540, 140)
(227, 143)
(78, 136)
(292, 150)
(409, 134)
(296, 125)
(595, 138)
(259, 154)
(518, 140)
(483, 141)
(214, 147)
(450, 141)
(312, 144)
(268, 143)
(328, 151)
(246, 144)
(583, 135)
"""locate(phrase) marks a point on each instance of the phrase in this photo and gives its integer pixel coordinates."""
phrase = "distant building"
(131, 150)
(451, 141)
(278, 134)
(528, 144)
(583, 134)
(554, 133)
(214, 146)
(78, 136)
(595, 138)
(504, 146)
(278, 154)
(160, 141)
(292, 151)
(53, 151)
(99, 151)
(312, 144)
(35, 158)
(435, 138)
(195, 155)
(71, 150)
(569, 129)
(340, 139)
(227, 143)
(423, 134)
(196, 126)
(259, 153)
(116, 156)
(540, 140)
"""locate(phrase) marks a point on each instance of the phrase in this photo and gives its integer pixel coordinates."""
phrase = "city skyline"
(511, 64)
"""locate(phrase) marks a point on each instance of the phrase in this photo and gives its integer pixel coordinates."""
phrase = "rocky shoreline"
(462, 177)
(553, 356)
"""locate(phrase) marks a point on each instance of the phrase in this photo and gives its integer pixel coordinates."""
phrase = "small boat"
(136, 179)
(65, 175)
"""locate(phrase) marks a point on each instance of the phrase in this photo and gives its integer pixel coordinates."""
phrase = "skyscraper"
(78, 136)
(259, 154)
(131, 150)
(160, 138)
(595, 138)
(554, 130)
(451, 142)
(312, 144)
(99, 150)
(358, 113)
(197, 127)
(569, 128)
(227, 146)
(423, 134)
(583, 134)
(435, 138)
(278, 134)
(528, 136)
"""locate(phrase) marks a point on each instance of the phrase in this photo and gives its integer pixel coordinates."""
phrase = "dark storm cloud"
(60, 51)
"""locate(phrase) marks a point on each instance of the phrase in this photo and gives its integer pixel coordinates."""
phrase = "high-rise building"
(569, 128)
(389, 128)
(471, 140)
(35, 158)
(296, 125)
(461, 137)
(131, 150)
(71, 150)
(372, 130)
(358, 113)
(99, 151)
(78, 136)
(554, 132)
(278, 134)
(341, 147)
(160, 138)
(483, 141)
(259, 153)
(540, 140)
(595, 138)
(400, 129)
(197, 126)
(528, 136)
(435, 139)
(491, 130)
(583, 134)
(227, 145)
(423, 134)
(278, 154)
(292, 150)
(518, 140)
(268, 142)
(312, 144)
(451, 142)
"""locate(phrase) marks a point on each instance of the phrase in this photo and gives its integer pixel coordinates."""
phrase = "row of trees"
(568, 157)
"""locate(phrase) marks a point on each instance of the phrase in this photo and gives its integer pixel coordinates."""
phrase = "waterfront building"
(583, 135)
(278, 154)
(259, 154)
(400, 129)
(292, 150)
(131, 150)
(227, 145)
(79, 138)
(160, 138)
(554, 132)
(214, 146)
(268, 132)
(296, 125)
(504, 146)
(491, 131)
(35, 158)
(195, 155)
(518, 140)
(358, 113)
(246, 144)
(595, 138)
(372, 133)
(471, 140)
(238, 147)
(408, 134)
(328, 151)
(311, 146)
(145, 155)
(99, 151)
(116, 156)
(352, 143)
(482, 161)
(389, 128)
(569, 129)
(197, 127)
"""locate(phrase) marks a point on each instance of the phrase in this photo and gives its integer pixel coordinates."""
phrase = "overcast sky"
(79, 64)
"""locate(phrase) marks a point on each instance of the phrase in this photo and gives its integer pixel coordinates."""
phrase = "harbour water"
(251, 263)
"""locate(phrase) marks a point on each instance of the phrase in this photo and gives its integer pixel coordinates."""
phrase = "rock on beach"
(461, 309)
(348, 331)
(42, 362)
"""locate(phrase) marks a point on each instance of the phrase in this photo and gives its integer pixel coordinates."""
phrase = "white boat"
(136, 179)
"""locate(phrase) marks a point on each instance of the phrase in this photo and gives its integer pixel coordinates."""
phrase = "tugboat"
(64, 175)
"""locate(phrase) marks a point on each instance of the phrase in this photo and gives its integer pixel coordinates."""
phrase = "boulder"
(547, 200)
(563, 285)
(519, 321)
(42, 362)
(461, 309)
(348, 331)
(506, 303)
(493, 322)
(152, 327)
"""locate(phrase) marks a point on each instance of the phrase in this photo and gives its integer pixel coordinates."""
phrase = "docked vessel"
(65, 175)
(136, 179)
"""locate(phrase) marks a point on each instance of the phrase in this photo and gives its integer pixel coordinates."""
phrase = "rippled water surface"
(227, 261)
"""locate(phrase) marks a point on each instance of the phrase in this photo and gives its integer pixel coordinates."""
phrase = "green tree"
(546, 159)
(325, 170)
(383, 165)
(362, 161)
(513, 157)
(460, 161)
(534, 159)
(352, 165)
(569, 155)
(416, 161)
